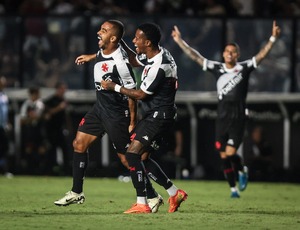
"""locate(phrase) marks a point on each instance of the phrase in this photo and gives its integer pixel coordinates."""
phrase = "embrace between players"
(114, 111)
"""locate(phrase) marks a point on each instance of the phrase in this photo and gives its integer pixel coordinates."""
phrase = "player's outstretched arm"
(266, 49)
(80, 60)
(189, 51)
(136, 94)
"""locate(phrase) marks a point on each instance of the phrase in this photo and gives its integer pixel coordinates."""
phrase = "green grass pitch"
(27, 203)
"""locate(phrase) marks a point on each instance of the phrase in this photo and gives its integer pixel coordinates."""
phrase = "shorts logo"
(131, 168)
(218, 144)
(146, 138)
(82, 122)
(155, 145)
(132, 136)
(140, 176)
(230, 142)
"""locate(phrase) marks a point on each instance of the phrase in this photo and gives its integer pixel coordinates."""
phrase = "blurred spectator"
(109, 7)
(33, 139)
(258, 154)
(246, 7)
(61, 7)
(4, 128)
(33, 7)
(281, 8)
(213, 7)
(57, 127)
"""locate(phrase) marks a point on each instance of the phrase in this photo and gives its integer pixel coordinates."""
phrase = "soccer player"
(113, 113)
(157, 96)
(232, 87)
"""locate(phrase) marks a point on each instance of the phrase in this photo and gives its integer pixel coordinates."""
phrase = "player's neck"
(230, 65)
(152, 52)
(109, 50)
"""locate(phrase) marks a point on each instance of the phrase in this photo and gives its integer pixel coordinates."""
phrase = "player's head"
(152, 33)
(34, 92)
(60, 88)
(231, 53)
(110, 33)
(147, 35)
(117, 29)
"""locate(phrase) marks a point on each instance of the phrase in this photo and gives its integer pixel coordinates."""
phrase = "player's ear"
(148, 43)
(113, 39)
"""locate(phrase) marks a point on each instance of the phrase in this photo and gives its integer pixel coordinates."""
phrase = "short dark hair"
(119, 28)
(34, 90)
(152, 32)
(59, 84)
(235, 45)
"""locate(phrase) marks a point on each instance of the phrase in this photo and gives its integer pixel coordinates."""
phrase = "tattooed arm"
(189, 51)
(266, 49)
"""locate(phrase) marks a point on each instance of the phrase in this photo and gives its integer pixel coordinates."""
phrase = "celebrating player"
(232, 86)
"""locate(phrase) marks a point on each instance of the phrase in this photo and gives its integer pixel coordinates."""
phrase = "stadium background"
(39, 41)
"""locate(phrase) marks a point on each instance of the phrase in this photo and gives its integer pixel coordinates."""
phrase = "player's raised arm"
(191, 52)
(266, 49)
(80, 60)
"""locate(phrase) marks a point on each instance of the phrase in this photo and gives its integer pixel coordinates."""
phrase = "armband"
(117, 88)
(272, 39)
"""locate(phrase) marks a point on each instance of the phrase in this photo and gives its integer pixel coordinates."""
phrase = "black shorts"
(152, 131)
(97, 124)
(229, 132)
(230, 124)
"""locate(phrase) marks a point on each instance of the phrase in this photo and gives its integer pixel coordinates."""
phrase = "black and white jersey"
(232, 84)
(159, 81)
(114, 67)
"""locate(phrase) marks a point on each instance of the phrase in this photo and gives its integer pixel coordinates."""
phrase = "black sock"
(156, 173)
(80, 161)
(229, 172)
(137, 173)
(151, 193)
(237, 162)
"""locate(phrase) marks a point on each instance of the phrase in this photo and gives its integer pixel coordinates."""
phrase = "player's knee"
(79, 146)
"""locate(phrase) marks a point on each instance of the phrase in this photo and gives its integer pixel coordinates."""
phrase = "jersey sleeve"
(125, 73)
(250, 63)
(152, 81)
(209, 65)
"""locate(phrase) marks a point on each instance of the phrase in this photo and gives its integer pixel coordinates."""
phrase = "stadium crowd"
(166, 7)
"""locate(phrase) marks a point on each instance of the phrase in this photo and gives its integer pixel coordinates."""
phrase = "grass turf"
(27, 203)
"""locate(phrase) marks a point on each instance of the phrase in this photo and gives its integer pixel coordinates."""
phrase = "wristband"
(272, 39)
(117, 88)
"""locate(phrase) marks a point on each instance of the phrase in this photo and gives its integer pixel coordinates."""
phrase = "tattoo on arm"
(264, 52)
(191, 53)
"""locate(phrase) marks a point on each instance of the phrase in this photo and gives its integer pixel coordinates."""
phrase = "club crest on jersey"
(146, 70)
(104, 67)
